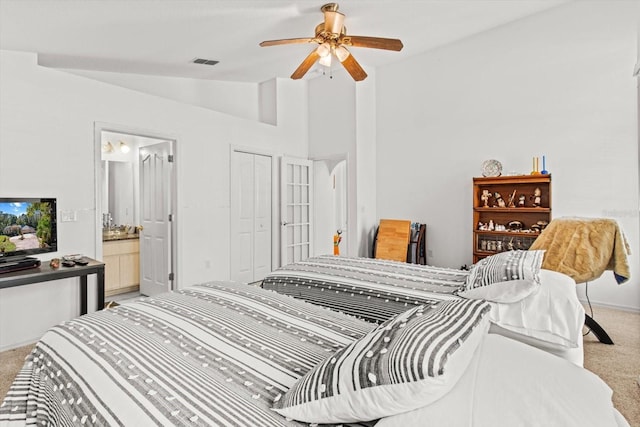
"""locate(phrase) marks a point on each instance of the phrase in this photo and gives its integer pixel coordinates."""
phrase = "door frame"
(100, 127)
(332, 161)
(275, 199)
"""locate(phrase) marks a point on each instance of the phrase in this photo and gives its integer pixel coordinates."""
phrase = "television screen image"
(27, 226)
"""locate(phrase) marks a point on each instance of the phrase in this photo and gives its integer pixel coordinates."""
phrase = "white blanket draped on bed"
(512, 384)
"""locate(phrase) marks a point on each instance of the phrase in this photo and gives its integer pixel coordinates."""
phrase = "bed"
(548, 316)
(231, 354)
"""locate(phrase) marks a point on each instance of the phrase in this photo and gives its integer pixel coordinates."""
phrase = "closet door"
(250, 216)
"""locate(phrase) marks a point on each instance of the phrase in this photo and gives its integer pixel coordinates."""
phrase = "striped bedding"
(371, 289)
(212, 354)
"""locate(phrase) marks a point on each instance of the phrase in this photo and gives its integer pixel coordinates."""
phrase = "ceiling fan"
(331, 36)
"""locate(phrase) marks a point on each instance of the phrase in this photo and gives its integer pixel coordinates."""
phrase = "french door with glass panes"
(296, 224)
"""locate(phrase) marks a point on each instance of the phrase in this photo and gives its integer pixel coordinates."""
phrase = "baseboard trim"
(612, 306)
(17, 345)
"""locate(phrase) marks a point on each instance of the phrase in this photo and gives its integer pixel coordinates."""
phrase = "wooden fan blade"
(306, 64)
(354, 68)
(286, 41)
(372, 42)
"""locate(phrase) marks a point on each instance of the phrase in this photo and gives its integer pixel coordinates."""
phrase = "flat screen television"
(28, 226)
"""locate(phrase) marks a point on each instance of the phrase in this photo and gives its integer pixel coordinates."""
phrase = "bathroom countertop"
(119, 236)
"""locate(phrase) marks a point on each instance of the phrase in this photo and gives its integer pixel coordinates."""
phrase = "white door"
(250, 216)
(155, 210)
(296, 225)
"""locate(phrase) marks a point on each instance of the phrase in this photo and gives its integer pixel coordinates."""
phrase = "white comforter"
(496, 391)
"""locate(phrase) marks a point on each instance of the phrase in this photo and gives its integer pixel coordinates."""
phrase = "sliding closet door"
(250, 216)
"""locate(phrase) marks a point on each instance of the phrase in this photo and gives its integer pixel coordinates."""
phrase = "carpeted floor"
(618, 365)
(10, 363)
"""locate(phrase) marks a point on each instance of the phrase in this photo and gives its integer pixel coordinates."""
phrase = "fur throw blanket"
(583, 248)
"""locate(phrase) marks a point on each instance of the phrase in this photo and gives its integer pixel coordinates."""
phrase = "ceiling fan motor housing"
(333, 20)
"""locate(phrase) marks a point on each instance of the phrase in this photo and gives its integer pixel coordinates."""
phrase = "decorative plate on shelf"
(491, 168)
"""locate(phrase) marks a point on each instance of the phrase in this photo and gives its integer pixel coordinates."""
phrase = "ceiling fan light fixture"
(325, 60)
(324, 49)
(342, 53)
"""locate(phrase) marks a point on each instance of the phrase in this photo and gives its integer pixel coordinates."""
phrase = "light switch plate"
(68, 216)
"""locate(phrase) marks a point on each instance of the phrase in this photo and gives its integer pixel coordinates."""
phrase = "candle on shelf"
(536, 165)
(544, 166)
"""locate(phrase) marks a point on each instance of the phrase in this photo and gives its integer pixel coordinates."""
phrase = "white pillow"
(552, 314)
(407, 362)
(508, 276)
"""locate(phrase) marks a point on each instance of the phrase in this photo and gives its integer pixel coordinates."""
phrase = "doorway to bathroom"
(135, 208)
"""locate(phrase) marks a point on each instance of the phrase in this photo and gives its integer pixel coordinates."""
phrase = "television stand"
(45, 273)
(16, 264)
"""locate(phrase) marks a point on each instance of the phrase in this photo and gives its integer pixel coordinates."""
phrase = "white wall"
(322, 199)
(330, 199)
(332, 135)
(234, 98)
(47, 149)
(365, 212)
(558, 83)
(342, 125)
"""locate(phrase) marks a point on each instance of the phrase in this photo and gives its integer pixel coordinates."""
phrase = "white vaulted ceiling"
(163, 37)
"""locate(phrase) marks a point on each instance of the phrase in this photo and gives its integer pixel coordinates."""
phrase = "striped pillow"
(517, 270)
(405, 363)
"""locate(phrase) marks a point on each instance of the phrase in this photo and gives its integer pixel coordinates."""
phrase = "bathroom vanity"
(121, 256)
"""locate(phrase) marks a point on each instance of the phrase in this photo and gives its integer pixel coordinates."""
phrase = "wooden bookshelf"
(495, 228)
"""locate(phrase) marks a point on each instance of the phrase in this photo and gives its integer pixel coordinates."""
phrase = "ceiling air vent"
(205, 61)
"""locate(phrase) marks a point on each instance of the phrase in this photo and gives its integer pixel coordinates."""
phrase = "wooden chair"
(393, 239)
